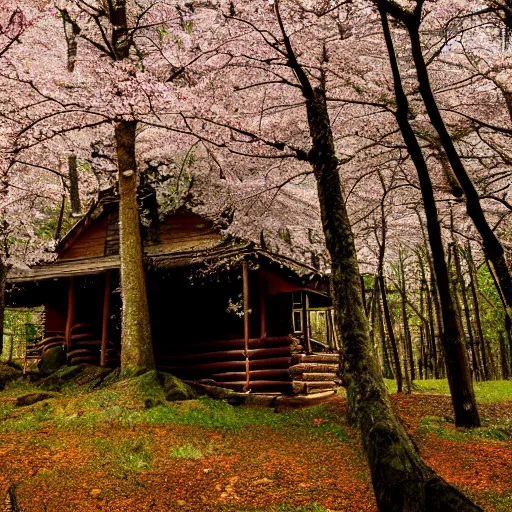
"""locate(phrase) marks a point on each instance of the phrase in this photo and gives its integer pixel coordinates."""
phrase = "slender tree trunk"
(4, 270)
(136, 346)
(485, 350)
(492, 245)
(423, 331)
(467, 314)
(459, 379)
(58, 227)
(391, 332)
(433, 306)
(405, 319)
(507, 318)
(503, 356)
(386, 363)
(71, 31)
(373, 313)
(456, 284)
(429, 357)
(74, 192)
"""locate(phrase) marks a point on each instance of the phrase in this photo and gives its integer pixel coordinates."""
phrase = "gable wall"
(183, 231)
(88, 244)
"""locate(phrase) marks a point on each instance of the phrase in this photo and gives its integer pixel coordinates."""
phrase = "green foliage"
(131, 455)
(20, 325)
(442, 428)
(187, 451)
(16, 420)
(486, 392)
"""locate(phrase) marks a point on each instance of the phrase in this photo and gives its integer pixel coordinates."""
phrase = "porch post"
(70, 320)
(104, 327)
(245, 273)
(263, 310)
(305, 323)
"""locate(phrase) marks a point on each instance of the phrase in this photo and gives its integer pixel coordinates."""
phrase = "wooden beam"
(263, 307)
(104, 327)
(245, 271)
(70, 318)
(305, 323)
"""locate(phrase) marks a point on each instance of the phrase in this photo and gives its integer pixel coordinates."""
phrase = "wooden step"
(301, 368)
(308, 387)
(318, 358)
(317, 377)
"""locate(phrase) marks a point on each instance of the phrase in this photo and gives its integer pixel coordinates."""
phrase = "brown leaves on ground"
(141, 467)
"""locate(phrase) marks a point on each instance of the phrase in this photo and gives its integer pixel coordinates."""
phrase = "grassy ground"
(486, 392)
(124, 448)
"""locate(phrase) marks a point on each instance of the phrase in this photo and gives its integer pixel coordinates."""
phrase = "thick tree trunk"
(459, 379)
(402, 482)
(136, 346)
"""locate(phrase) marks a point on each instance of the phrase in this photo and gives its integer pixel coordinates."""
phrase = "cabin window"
(297, 311)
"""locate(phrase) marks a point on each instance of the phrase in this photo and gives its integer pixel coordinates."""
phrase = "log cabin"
(224, 311)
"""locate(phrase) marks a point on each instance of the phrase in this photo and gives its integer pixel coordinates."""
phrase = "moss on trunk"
(136, 345)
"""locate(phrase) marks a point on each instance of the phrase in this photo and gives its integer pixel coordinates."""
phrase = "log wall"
(223, 363)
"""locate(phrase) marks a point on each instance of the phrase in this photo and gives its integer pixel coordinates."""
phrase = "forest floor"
(106, 449)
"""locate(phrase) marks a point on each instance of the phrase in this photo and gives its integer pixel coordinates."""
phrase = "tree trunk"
(485, 350)
(503, 356)
(467, 314)
(74, 193)
(407, 330)
(492, 245)
(391, 332)
(386, 363)
(4, 270)
(136, 346)
(402, 482)
(455, 284)
(459, 379)
(507, 319)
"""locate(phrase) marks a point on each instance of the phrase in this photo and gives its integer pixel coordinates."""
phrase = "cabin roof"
(227, 252)
(205, 245)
